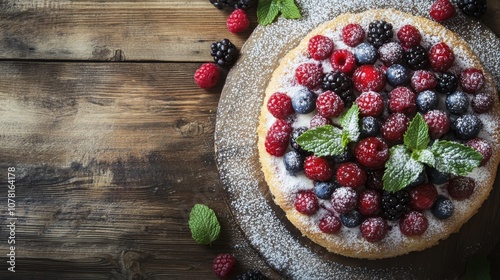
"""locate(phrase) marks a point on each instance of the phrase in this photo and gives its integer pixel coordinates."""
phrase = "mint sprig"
(401, 169)
(203, 223)
(268, 10)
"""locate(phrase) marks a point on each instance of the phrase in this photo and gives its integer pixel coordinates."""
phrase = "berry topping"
(365, 53)
(374, 229)
(344, 200)
(413, 223)
(318, 168)
(441, 57)
(481, 146)
(280, 105)
(304, 101)
(320, 47)
(372, 152)
(467, 127)
(224, 52)
(417, 58)
(374, 179)
(370, 103)
(293, 139)
(423, 80)
(349, 174)
(443, 208)
(482, 103)
(442, 10)
(329, 104)
(437, 177)
(447, 82)
(475, 8)
(344, 61)
(318, 120)
(471, 80)
(421, 179)
(457, 103)
(294, 162)
(353, 34)
(368, 78)
(324, 190)
(345, 156)
(277, 138)
(379, 32)
(251, 275)
(309, 75)
(369, 202)
(427, 100)
(409, 36)
(370, 126)
(460, 187)
(395, 126)
(438, 123)
(330, 224)
(223, 265)
(423, 196)
(391, 53)
(351, 219)
(306, 202)
(207, 75)
(402, 100)
(237, 21)
(397, 75)
(337, 82)
(395, 204)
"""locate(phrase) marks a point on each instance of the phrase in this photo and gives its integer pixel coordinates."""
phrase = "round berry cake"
(379, 134)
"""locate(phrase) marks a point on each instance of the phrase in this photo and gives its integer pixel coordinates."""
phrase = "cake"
(378, 134)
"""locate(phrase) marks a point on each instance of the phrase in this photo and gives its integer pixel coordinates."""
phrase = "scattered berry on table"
(442, 10)
(365, 53)
(475, 8)
(251, 275)
(323, 189)
(280, 105)
(370, 103)
(368, 78)
(441, 57)
(467, 126)
(318, 120)
(443, 208)
(370, 126)
(294, 161)
(223, 265)
(395, 126)
(395, 204)
(244, 4)
(483, 147)
(413, 223)
(220, 4)
(303, 101)
(461, 187)
(344, 200)
(374, 179)
(293, 139)
(437, 177)
(329, 105)
(277, 138)
(374, 229)
(309, 75)
(423, 196)
(351, 219)
(343, 60)
(318, 168)
(330, 224)
(337, 82)
(427, 100)
(349, 174)
(417, 58)
(207, 75)
(402, 100)
(345, 156)
(482, 103)
(397, 75)
(379, 32)
(471, 80)
(237, 21)
(391, 53)
(320, 47)
(423, 80)
(353, 34)
(372, 152)
(409, 36)
(306, 202)
(438, 123)
(224, 52)
(369, 202)
(457, 103)
(447, 82)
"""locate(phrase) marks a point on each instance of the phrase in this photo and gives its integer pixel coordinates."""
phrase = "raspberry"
(395, 126)
(460, 187)
(277, 138)
(223, 265)
(306, 202)
(353, 34)
(402, 100)
(349, 174)
(318, 168)
(481, 146)
(422, 197)
(329, 104)
(391, 53)
(471, 80)
(309, 75)
(368, 78)
(374, 229)
(374, 179)
(370, 103)
(423, 80)
(369, 202)
(280, 105)
(438, 123)
(441, 57)
(344, 61)
(372, 152)
(330, 224)
(320, 47)
(409, 36)
(237, 21)
(318, 120)
(482, 103)
(344, 200)
(442, 10)
(413, 223)
(207, 75)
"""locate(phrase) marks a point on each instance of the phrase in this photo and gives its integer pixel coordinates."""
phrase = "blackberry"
(379, 32)
(340, 84)
(475, 8)
(293, 139)
(224, 52)
(447, 82)
(251, 275)
(417, 58)
(244, 4)
(220, 4)
(395, 204)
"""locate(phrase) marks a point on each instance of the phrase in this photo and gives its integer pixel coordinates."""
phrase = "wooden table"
(111, 140)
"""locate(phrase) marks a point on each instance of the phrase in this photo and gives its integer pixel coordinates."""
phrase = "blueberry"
(294, 162)
(365, 53)
(304, 101)
(345, 156)
(293, 139)
(467, 127)
(457, 103)
(421, 179)
(437, 177)
(351, 219)
(443, 208)
(397, 75)
(370, 126)
(427, 100)
(324, 190)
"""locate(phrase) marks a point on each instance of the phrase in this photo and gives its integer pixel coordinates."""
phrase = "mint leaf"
(455, 158)
(289, 9)
(478, 268)
(322, 141)
(417, 135)
(401, 169)
(350, 123)
(203, 223)
(267, 11)
(424, 156)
